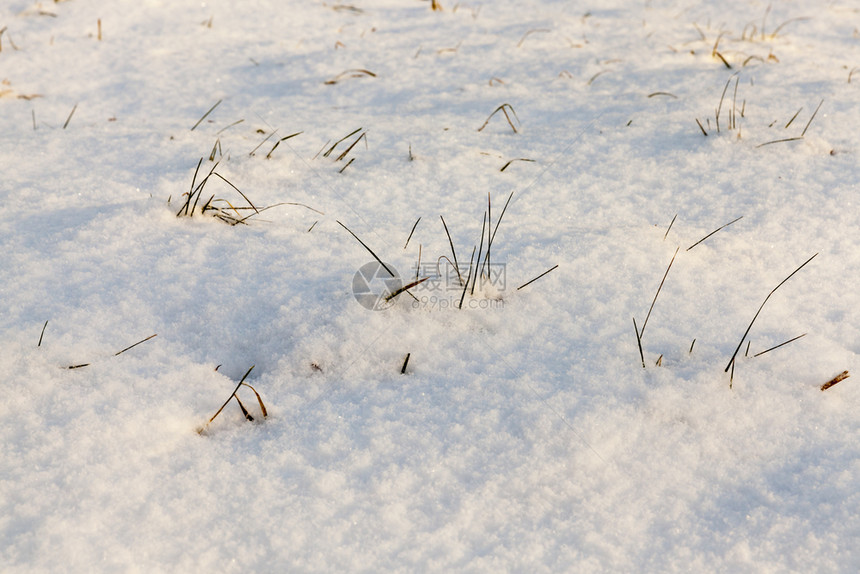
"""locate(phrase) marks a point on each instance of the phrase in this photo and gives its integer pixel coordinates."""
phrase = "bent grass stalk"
(731, 363)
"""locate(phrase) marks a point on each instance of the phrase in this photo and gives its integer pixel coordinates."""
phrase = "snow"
(524, 436)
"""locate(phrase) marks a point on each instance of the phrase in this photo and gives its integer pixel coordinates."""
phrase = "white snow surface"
(525, 434)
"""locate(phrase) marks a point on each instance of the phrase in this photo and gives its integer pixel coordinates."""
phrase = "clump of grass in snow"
(220, 208)
(504, 108)
(233, 395)
(734, 112)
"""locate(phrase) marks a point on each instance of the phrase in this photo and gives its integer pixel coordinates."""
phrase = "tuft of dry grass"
(504, 108)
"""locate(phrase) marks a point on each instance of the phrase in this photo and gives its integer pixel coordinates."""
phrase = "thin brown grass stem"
(778, 346)
(671, 223)
(369, 250)
(42, 334)
(259, 400)
(495, 229)
(205, 115)
(666, 274)
(639, 342)
(136, 344)
(722, 97)
(794, 139)
(538, 277)
(68, 119)
(714, 231)
(405, 288)
(411, 232)
(453, 252)
(803, 133)
(466, 286)
(480, 249)
(793, 118)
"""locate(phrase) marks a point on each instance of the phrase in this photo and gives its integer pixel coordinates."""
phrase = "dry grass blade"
(453, 252)
(480, 249)
(840, 377)
(723, 60)
(245, 412)
(794, 139)
(216, 148)
(411, 232)
(205, 115)
(793, 117)
(743, 338)
(68, 119)
(292, 203)
(136, 344)
(405, 362)
(237, 122)
(778, 346)
(353, 73)
(723, 96)
(466, 286)
(42, 334)
(530, 32)
(803, 133)
(714, 231)
(492, 238)
(701, 127)
(671, 223)
(538, 277)
(504, 167)
(639, 342)
(667, 94)
(595, 76)
(405, 288)
(259, 400)
(642, 332)
(369, 250)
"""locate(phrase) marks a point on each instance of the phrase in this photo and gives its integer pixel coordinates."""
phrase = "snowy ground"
(525, 435)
